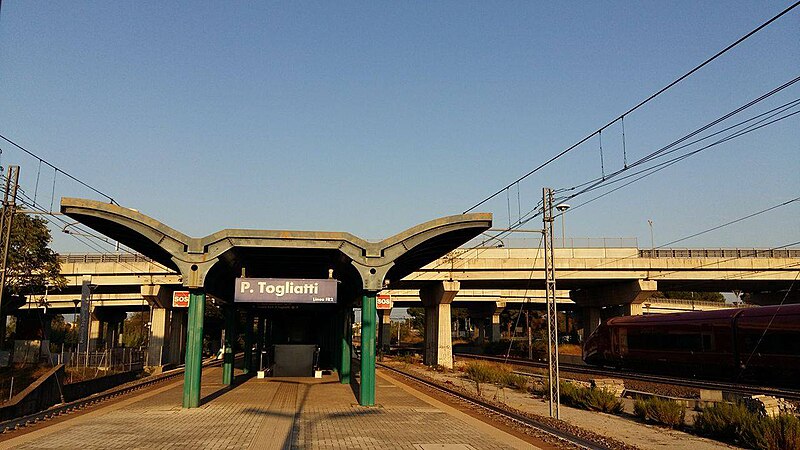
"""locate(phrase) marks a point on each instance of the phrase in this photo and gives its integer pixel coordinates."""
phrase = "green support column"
(248, 342)
(260, 341)
(230, 337)
(345, 343)
(368, 315)
(194, 350)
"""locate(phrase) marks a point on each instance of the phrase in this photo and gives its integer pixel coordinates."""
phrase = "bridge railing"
(122, 359)
(719, 253)
(102, 258)
(572, 242)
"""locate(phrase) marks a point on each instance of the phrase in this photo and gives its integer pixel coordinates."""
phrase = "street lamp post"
(563, 207)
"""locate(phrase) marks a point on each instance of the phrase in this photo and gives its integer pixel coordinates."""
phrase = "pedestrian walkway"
(288, 413)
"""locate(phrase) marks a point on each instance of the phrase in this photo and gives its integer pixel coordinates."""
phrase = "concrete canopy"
(212, 262)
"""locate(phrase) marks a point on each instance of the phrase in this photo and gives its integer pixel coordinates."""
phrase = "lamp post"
(563, 207)
(652, 242)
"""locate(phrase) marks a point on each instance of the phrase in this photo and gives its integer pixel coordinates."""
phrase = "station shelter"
(245, 270)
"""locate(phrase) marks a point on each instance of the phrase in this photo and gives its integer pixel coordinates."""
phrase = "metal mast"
(6, 221)
(552, 317)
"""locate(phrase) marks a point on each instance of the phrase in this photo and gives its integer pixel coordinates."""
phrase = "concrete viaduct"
(422, 264)
(605, 282)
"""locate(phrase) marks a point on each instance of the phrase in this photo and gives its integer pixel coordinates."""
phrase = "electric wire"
(57, 170)
(641, 103)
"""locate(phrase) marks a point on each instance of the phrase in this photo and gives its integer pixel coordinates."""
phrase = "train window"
(668, 341)
(773, 343)
(707, 342)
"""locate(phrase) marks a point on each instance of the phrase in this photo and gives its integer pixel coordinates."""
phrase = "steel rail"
(517, 418)
(75, 405)
(741, 389)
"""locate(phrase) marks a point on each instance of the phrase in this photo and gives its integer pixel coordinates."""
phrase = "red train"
(730, 344)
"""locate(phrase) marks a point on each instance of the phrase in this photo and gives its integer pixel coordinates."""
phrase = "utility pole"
(552, 317)
(6, 222)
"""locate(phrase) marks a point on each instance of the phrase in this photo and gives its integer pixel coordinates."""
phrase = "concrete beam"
(612, 294)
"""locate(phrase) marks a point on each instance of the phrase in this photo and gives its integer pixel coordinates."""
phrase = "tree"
(32, 267)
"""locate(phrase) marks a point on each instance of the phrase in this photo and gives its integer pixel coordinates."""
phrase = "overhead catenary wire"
(57, 169)
(640, 104)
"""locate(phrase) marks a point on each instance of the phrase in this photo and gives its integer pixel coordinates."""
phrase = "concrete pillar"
(631, 294)
(194, 349)
(438, 335)
(591, 320)
(385, 330)
(157, 347)
(632, 309)
(95, 332)
(498, 309)
(177, 336)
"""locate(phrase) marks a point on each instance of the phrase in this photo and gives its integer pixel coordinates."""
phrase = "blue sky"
(371, 117)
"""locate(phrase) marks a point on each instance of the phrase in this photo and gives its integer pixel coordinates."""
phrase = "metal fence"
(534, 242)
(102, 258)
(123, 359)
(720, 253)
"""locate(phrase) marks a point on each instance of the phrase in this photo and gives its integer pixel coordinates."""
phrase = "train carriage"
(719, 344)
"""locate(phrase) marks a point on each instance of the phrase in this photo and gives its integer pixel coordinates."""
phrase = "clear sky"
(371, 117)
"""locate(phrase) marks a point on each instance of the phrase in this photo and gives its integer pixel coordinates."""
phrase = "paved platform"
(290, 413)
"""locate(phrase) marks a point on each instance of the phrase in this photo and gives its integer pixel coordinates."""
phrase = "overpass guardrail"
(719, 253)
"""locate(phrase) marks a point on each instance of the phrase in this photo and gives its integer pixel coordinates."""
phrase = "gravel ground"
(627, 433)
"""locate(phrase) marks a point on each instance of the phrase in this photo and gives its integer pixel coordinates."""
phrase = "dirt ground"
(626, 429)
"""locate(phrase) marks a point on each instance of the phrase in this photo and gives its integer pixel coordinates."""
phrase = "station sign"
(383, 302)
(180, 299)
(285, 291)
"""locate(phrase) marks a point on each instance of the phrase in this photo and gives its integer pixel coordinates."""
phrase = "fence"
(720, 253)
(124, 359)
(535, 242)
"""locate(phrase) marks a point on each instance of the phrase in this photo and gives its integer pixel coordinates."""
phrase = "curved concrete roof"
(221, 255)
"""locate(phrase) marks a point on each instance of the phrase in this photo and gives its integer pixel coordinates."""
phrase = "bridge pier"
(438, 328)
(629, 294)
(385, 330)
(499, 307)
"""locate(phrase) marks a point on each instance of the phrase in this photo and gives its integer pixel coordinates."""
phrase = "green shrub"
(736, 424)
(592, 399)
(664, 412)
(779, 433)
(484, 372)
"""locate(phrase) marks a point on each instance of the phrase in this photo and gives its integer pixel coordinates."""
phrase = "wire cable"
(641, 103)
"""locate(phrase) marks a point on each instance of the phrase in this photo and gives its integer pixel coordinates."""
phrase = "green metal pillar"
(260, 341)
(230, 339)
(368, 322)
(346, 344)
(194, 350)
(248, 342)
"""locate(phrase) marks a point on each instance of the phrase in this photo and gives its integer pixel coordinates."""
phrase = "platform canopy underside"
(214, 261)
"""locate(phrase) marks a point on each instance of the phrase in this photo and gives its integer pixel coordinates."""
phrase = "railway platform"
(273, 413)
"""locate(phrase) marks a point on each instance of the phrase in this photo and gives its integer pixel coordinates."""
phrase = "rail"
(66, 408)
(508, 415)
(741, 389)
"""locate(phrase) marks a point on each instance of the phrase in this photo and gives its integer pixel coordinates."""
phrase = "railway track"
(741, 389)
(80, 404)
(519, 419)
